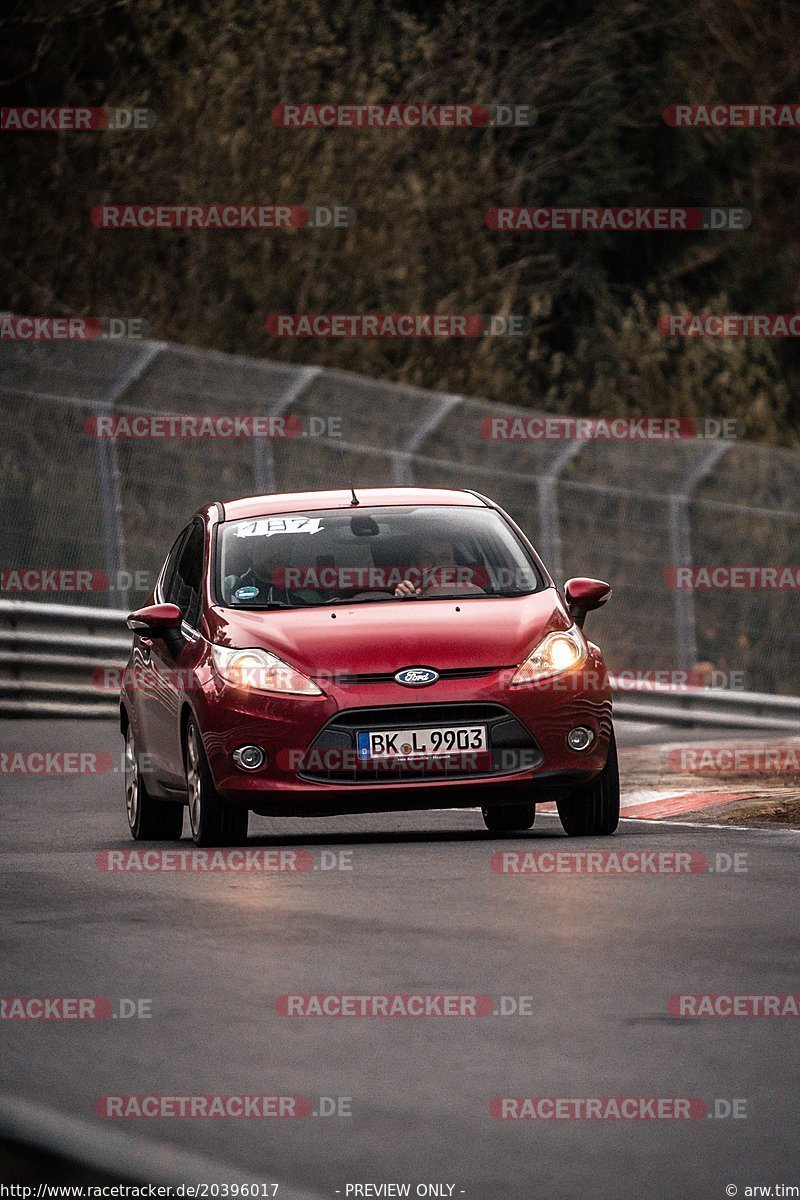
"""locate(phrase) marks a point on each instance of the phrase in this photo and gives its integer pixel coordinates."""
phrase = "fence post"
(549, 521)
(109, 478)
(680, 536)
(403, 473)
(263, 454)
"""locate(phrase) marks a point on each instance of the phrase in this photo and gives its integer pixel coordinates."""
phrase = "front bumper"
(311, 768)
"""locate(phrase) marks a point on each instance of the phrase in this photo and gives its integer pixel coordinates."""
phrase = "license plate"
(433, 742)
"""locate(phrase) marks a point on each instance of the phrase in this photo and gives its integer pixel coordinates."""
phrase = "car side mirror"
(159, 621)
(583, 595)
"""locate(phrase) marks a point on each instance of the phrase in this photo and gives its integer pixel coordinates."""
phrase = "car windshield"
(356, 555)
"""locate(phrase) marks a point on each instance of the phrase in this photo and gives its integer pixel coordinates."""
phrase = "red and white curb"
(653, 805)
(649, 806)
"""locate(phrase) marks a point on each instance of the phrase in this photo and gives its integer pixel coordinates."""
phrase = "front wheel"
(593, 810)
(509, 818)
(148, 819)
(214, 822)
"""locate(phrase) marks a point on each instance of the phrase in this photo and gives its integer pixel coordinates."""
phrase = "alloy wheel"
(131, 779)
(193, 780)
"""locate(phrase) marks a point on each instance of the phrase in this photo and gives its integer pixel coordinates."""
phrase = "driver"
(434, 555)
(263, 581)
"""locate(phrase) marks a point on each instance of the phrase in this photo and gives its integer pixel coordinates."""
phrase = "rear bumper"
(289, 728)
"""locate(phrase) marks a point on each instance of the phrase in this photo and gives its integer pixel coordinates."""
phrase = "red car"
(331, 652)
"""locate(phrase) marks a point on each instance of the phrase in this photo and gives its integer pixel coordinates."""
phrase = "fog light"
(580, 738)
(249, 758)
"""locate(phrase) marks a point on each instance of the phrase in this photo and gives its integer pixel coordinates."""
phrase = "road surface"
(420, 911)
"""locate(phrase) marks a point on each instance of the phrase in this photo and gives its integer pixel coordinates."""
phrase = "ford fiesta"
(332, 652)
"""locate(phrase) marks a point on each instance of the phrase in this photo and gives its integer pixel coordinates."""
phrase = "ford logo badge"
(417, 676)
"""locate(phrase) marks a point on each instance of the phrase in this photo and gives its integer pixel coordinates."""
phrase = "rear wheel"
(148, 819)
(214, 822)
(509, 818)
(593, 810)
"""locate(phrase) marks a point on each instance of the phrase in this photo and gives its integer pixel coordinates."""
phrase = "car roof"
(285, 502)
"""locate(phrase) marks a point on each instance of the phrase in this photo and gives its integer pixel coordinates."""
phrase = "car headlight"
(260, 671)
(555, 653)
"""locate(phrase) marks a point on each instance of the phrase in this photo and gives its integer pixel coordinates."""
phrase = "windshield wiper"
(263, 607)
(362, 598)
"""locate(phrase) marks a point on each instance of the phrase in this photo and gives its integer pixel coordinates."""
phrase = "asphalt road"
(420, 911)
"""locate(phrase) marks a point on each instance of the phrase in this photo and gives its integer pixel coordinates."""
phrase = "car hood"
(384, 637)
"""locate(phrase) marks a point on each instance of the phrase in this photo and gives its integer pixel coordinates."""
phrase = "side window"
(169, 565)
(186, 584)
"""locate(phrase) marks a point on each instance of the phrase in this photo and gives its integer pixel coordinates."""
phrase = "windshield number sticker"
(269, 526)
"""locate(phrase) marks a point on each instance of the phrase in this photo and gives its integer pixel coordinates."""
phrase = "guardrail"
(49, 654)
(53, 656)
(708, 706)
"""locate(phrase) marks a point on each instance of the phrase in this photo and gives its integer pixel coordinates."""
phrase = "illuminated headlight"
(555, 653)
(260, 671)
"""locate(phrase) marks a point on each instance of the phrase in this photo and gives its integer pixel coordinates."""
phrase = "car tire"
(213, 821)
(509, 818)
(593, 810)
(148, 819)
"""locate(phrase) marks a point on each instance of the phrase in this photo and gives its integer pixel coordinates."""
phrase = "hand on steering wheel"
(407, 591)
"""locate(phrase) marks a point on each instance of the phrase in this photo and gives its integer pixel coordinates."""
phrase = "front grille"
(388, 676)
(332, 756)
